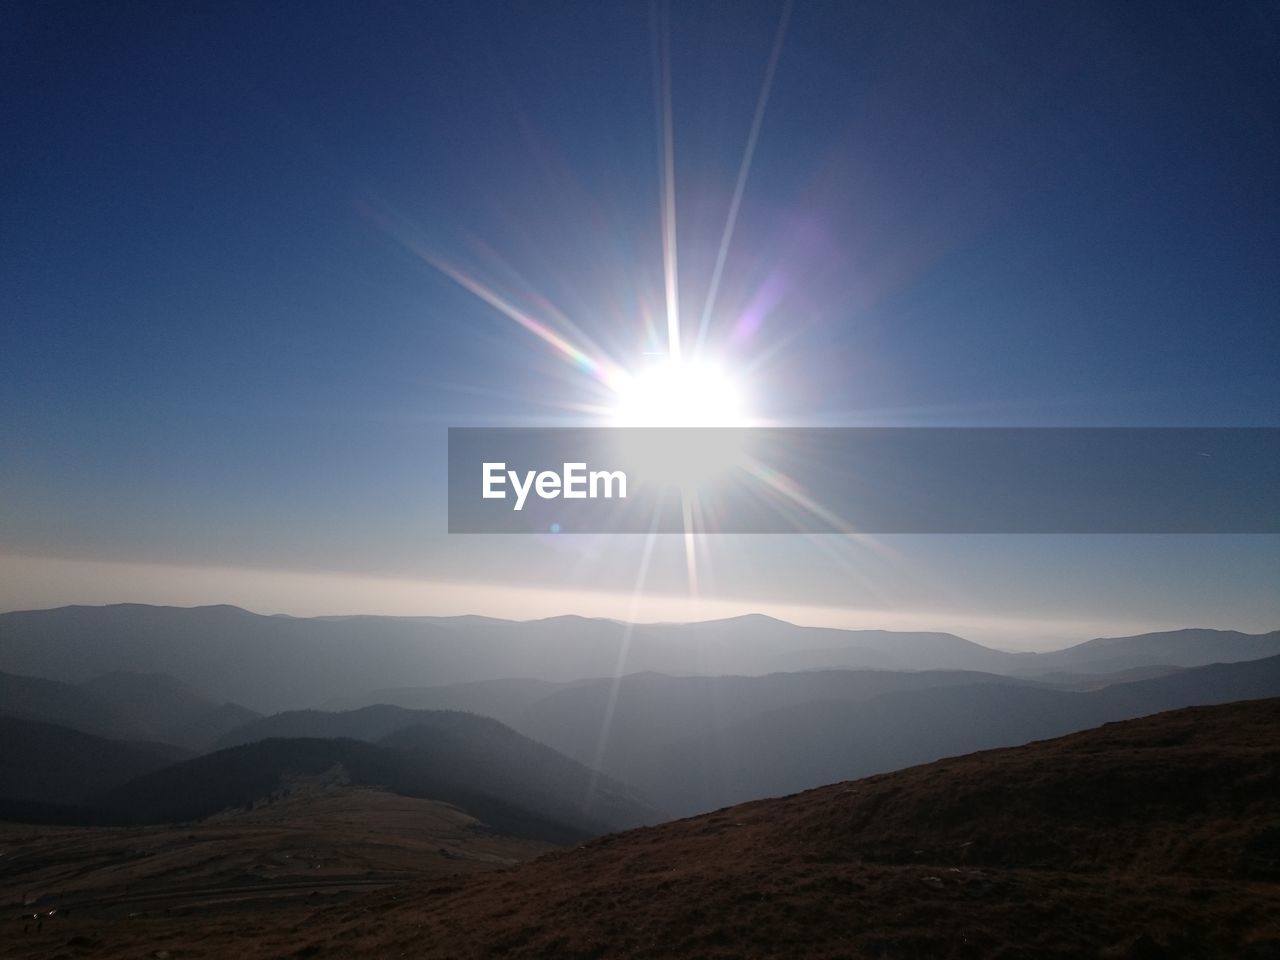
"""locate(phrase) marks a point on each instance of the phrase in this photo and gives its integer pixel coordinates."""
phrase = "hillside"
(892, 650)
(368, 723)
(632, 726)
(124, 706)
(42, 763)
(166, 709)
(697, 743)
(693, 744)
(1150, 838)
(322, 844)
(1178, 648)
(504, 699)
(650, 707)
(64, 704)
(515, 785)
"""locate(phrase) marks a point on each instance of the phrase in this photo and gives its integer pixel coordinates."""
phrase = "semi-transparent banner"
(864, 480)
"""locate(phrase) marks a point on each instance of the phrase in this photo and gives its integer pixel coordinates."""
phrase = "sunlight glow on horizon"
(30, 582)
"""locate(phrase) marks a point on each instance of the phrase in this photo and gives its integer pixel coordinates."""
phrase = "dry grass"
(1154, 838)
(234, 877)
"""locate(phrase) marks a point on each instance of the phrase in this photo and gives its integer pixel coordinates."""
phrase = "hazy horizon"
(320, 594)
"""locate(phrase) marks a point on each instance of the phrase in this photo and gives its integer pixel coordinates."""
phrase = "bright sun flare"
(680, 393)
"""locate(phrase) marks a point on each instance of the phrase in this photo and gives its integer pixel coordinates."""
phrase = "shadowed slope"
(1155, 837)
(1179, 648)
(367, 723)
(511, 782)
(168, 710)
(64, 704)
(698, 743)
(124, 706)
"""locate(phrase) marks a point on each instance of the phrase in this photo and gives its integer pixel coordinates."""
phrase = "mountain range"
(231, 655)
(124, 706)
(50, 773)
(518, 786)
(691, 744)
(132, 735)
(661, 744)
(515, 785)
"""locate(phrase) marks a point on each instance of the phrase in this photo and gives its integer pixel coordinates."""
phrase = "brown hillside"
(1151, 838)
(1155, 837)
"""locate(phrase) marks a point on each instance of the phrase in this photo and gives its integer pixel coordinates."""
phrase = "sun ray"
(623, 649)
(593, 363)
(690, 548)
(667, 177)
(782, 484)
(744, 170)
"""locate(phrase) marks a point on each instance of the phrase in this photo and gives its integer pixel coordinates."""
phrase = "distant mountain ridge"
(64, 704)
(695, 744)
(569, 757)
(515, 785)
(1176, 648)
(537, 708)
(229, 654)
(124, 706)
(370, 724)
(42, 763)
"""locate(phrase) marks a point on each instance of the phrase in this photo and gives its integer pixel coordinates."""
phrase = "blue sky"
(221, 347)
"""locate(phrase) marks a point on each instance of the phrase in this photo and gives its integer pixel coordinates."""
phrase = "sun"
(679, 393)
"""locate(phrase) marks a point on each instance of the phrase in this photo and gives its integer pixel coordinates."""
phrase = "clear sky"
(229, 352)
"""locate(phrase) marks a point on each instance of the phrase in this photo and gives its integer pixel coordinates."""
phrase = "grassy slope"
(1154, 837)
